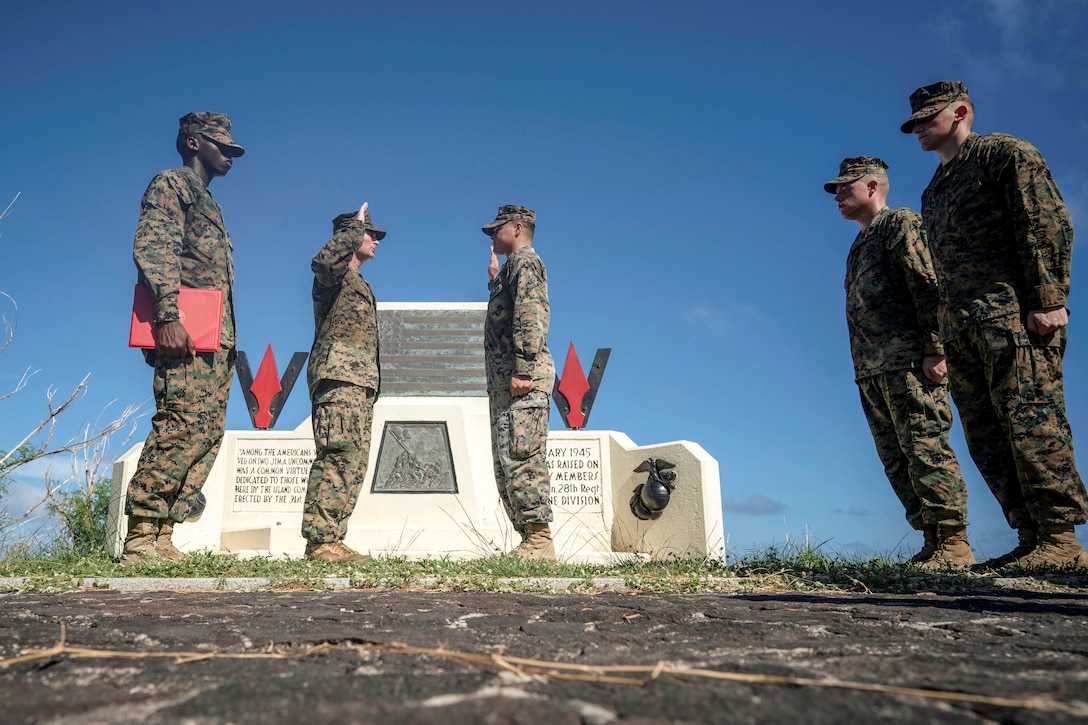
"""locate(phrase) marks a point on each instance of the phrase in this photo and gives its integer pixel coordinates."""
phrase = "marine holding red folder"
(200, 311)
(183, 257)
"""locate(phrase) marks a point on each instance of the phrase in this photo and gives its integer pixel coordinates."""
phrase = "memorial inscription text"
(271, 477)
(575, 468)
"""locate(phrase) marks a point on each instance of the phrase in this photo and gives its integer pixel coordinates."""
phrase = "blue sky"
(674, 153)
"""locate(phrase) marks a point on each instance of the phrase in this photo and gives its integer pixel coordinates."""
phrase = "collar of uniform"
(203, 201)
(965, 148)
(521, 250)
(877, 219)
(944, 170)
(194, 179)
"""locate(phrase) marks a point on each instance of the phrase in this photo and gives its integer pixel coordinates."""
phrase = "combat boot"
(140, 539)
(1028, 538)
(952, 550)
(1057, 547)
(929, 545)
(336, 551)
(164, 542)
(536, 543)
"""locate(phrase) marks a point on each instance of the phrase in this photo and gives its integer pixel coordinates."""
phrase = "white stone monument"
(430, 486)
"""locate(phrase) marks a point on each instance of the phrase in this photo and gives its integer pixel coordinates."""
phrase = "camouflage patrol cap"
(932, 99)
(855, 167)
(339, 222)
(215, 126)
(510, 213)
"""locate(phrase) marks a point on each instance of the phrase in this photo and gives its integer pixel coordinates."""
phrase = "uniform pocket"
(1039, 372)
(205, 239)
(332, 430)
(173, 389)
(927, 401)
(528, 432)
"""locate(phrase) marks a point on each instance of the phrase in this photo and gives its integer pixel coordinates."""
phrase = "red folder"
(201, 312)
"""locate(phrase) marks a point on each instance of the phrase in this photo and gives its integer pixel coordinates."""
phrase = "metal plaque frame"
(414, 457)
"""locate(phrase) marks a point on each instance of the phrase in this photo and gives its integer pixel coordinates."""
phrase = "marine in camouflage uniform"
(1002, 243)
(520, 375)
(891, 314)
(344, 380)
(182, 241)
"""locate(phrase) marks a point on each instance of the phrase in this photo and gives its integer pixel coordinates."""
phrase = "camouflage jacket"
(1001, 236)
(182, 241)
(516, 329)
(891, 295)
(345, 315)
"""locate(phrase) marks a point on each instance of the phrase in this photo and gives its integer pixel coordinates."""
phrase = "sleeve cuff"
(1050, 295)
(166, 308)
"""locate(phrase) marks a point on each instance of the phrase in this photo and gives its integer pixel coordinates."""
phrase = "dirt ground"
(364, 656)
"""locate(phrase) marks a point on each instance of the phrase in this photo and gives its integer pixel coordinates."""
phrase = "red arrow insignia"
(573, 385)
(265, 387)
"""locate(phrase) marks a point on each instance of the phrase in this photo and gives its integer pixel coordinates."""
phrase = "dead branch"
(9, 323)
(27, 375)
(604, 674)
(88, 450)
(8, 207)
(47, 424)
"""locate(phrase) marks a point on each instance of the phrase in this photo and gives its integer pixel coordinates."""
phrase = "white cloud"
(22, 495)
(27, 489)
(852, 512)
(1008, 15)
(56, 468)
(755, 505)
(1041, 40)
(856, 548)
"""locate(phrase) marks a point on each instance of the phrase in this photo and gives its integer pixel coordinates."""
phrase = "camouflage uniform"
(515, 342)
(344, 380)
(891, 306)
(1002, 242)
(182, 241)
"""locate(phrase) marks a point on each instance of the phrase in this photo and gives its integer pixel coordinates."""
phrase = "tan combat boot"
(536, 543)
(953, 551)
(1057, 547)
(164, 542)
(1028, 538)
(929, 545)
(140, 539)
(336, 551)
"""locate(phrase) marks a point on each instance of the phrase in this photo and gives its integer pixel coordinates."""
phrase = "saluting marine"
(344, 380)
(520, 376)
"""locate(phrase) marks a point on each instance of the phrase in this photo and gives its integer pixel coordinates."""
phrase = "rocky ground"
(363, 656)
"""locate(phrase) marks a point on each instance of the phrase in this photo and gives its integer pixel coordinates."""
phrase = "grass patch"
(778, 569)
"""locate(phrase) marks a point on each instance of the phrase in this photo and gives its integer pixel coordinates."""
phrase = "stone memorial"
(430, 487)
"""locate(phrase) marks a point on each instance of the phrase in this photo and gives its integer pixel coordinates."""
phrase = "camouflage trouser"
(190, 416)
(1007, 384)
(342, 414)
(519, 440)
(910, 418)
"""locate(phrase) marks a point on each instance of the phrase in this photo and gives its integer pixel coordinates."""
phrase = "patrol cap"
(510, 213)
(853, 168)
(932, 99)
(215, 126)
(368, 223)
